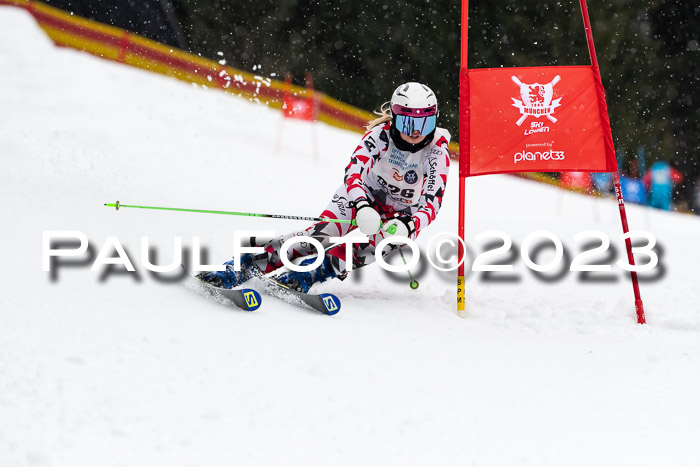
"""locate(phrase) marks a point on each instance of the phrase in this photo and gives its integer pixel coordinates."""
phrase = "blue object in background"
(602, 181)
(633, 190)
(660, 185)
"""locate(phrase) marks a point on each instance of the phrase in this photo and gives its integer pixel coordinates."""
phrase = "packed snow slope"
(123, 369)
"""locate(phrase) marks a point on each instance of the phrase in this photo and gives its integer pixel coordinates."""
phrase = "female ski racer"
(396, 177)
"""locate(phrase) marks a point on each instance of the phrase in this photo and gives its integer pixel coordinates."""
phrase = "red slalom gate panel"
(535, 119)
(299, 107)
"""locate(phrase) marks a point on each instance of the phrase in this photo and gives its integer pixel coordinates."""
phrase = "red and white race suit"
(393, 181)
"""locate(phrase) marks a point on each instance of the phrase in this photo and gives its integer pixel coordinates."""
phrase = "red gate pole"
(287, 91)
(314, 111)
(639, 306)
(463, 152)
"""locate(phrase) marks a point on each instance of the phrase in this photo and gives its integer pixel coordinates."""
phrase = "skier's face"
(414, 138)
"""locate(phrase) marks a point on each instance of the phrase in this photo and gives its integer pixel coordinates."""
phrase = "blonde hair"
(384, 116)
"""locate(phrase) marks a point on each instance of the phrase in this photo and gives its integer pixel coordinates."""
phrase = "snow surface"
(123, 369)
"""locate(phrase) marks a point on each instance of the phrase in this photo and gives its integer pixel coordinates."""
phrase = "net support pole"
(463, 153)
(639, 306)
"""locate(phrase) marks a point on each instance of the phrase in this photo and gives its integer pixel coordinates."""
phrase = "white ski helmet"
(414, 108)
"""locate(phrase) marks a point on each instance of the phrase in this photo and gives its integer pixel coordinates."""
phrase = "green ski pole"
(414, 283)
(118, 205)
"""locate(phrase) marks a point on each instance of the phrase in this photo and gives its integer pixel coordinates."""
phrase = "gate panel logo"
(536, 100)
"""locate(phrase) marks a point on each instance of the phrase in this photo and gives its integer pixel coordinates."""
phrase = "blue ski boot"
(229, 278)
(302, 281)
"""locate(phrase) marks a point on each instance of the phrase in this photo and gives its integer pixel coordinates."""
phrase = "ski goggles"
(409, 120)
